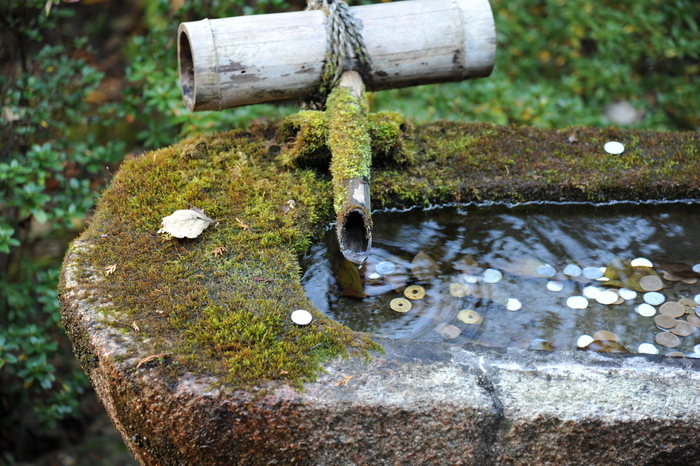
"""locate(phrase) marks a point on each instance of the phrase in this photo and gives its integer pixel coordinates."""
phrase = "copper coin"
(667, 339)
(675, 354)
(651, 283)
(690, 280)
(693, 320)
(683, 329)
(665, 321)
(672, 309)
(689, 304)
(604, 335)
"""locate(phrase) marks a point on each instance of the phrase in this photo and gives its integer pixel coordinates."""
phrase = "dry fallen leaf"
(186, 223)
(135, 326)
(109, 270)
(346, 379)
(219, 251)
(151, 358)
(243, 225)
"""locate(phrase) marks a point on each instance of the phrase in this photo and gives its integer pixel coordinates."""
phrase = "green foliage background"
(559, 63)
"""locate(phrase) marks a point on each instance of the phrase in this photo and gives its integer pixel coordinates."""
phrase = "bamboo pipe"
(248, 60)
(351, 158)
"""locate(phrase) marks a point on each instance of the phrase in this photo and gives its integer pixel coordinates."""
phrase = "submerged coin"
(301, 317)
(604, 335)
(592, 291)
(689, 280)
(584, 340)
(606, 297)
(385, 267)
(641, 262)
(667, 339)
(672, 309)
(458, 290)
(547, 271)
(688, 303)
(696, 298)
(592, 273)
(577, 302)
(469, 316)
(647, 348)
(664, 321)
(696, 268)
(374, 276)
(651, 283)
(448, 331)
(614, 147)
(492, 276)
(627, 294)
(675, 354)
(646, 310)
(693, 320)
(554, 285)
(683, 329)
(514, 304)
(414, 292)
(654, 298)
(401, 305)
(572, 270)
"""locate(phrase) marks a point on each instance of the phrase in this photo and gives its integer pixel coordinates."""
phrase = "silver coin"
(654, 298)
(385, 267)
(572, 270)
(554, 285)
(607, 297)
(697, 298)
(696, 268)
(584, 340)
(627, 294)
(514, 304)
(577, 302)
(592, 273)
(492, 276)
(547, 271)
(374, 276)
(646, 310)
(614, 147)
(592, 291)
(641, 262)
(647, 348)
(301, 317)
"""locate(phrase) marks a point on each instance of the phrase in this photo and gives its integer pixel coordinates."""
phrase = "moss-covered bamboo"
(350, 145)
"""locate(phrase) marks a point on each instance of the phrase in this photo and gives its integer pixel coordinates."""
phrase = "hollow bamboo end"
(186, 64)
(354, 228)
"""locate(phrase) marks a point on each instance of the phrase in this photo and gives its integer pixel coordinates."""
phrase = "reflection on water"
(459, 254)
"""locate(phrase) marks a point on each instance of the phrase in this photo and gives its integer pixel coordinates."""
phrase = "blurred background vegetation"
(87, 83)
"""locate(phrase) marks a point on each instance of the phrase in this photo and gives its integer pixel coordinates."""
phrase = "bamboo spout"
(348, 139)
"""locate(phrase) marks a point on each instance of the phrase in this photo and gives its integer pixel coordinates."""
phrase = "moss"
(226, 314)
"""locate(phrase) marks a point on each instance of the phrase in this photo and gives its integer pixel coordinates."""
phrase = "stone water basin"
(190, 346)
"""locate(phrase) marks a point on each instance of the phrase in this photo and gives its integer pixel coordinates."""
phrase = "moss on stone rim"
(226, 314)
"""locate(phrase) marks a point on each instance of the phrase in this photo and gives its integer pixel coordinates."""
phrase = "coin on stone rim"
(401, 305)
(469, 316)
(683, 329)
(414, 292)
(667, 339)
(647, 348)
(651, 283)
(672, 309)
(584, 340)
(664, 321)
(301, 317)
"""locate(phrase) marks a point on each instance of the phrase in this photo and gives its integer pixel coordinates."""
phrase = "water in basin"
(543, 276)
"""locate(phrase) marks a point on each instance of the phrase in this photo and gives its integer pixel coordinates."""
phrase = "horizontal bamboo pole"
(247, 60)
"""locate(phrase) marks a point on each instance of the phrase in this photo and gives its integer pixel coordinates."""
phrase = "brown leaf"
(151, 358)
(109, 270)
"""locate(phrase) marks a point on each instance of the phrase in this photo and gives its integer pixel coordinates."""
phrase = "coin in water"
(606, 297)
(469, 316)
(651, 283)
(696, 298)
(457, 290)
(693, 320)
(683, 329)
(627, 294)
(584, 340)
(641, 262)
(696, 268)
(577, 302)
(514, 304)
(647, 348)
(654, 298)
(697, 310)
(675, 354)
(688, 303)
(591, 291)
(672, 309)
(646, 310)
(471, 278)
(401, 305)
(664, 321)
(547, 271)
(374, 276)
(448, 331)
(592, 273)
(689, 280)
(554, 285)
(604, 335)
(414, 292)
(670, 277)
(492, 276)
(572, 270)
(696, 349)
(667, 339)
(385, 267)
(614, 147)
(301, 317)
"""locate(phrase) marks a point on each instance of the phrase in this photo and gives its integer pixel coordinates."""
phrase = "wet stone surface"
(533, 276)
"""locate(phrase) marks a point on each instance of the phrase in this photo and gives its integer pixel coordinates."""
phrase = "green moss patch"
(219, 304)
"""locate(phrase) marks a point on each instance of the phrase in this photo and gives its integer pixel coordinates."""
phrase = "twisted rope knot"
(345, 44)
